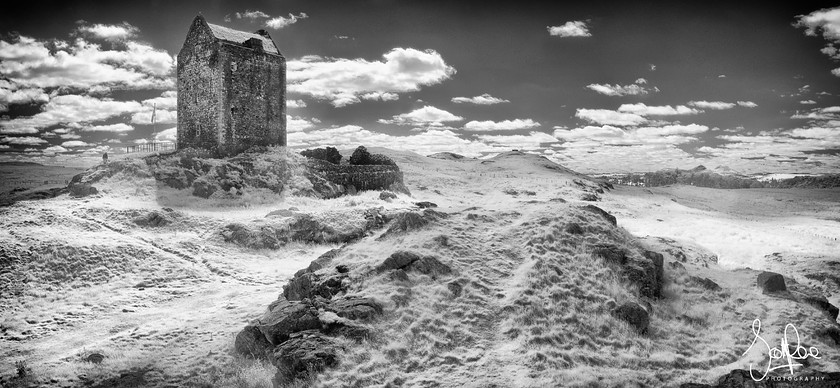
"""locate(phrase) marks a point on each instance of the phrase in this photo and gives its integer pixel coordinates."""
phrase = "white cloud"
(295, 104)
(533, 140)
(119, 127)
(54, 150)
(74, 144)
(381, 96)
(484, 99)
(168, 100)
(161, 117)
(506, 125)
(297, 124)
(609, 117)
(424, 143)
(747, 104)
(427, 115)
(12, 94)
(109, 32)
(33, 63)
(23, 140)
(169, 134)
(807, 102)
(713, 105)
(609, 135)
(248, 14)
(634, 89)
(280, 21)
(343, 81)
(70, 109)
(577, 28)
(827, 22)
(644, 110)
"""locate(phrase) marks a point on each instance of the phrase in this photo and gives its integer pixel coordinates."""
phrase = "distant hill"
(698, 176)
(807, 182)
(20, 164)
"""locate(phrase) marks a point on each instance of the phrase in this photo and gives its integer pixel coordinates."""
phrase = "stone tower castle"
(231, 90)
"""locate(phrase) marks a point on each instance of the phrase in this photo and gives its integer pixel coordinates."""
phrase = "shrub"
(361, 157)
(329, 154)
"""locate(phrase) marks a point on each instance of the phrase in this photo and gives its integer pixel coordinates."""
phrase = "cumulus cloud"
(380, 96)
(22, 140)
(666, 110)
(248, 14)
(807, 102)
(54, 150)
(280, 21)
(424, 143)
(533, 140)
(161, 117)
(69, 109)
(11, 93)
(109, 32)
(712, 105)
(747, 104)
(634, 89)
(506, 125)
(344, 81)
(118, 127)
(82, 64)
(609, 117)
(825, 22)
(167, 135)
(295, 104)
(484, 99)
(673, 134)
(577, 28)
(74, 144)
(297, 124)
(425, 116)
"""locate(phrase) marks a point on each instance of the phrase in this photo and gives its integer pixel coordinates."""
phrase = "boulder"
(387, 196)
(658, 272)
(431, 266)
(355, 308)
(153, 219)
(398, 260)
(574, 228)
(425, 204)
(589, 197)
(287, 317)
(706, 283)
(251, 342)
(610, 253)
(304, 353)
(308, 285)
(634, 314)
(203, 189)
(601, 212)
(80, 190)
(408, 221)
(771, 282)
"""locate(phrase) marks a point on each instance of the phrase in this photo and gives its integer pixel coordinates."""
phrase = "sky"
(596, 86)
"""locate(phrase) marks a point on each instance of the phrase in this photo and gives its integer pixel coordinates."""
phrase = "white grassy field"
(163, 304)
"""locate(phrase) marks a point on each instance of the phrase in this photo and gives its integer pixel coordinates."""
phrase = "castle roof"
(239, 37)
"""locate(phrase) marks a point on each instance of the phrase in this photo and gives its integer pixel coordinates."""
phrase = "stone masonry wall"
(254, 107)
(377, 177)
(199, 89)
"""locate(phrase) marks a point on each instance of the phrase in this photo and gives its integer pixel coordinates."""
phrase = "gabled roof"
(234, 36)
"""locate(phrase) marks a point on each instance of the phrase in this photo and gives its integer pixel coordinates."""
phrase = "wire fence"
(151, 147)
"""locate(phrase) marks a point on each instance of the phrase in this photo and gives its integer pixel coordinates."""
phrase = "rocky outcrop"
(251, 342)
(311, 284)
(771, 282)
(152, 219)
(387, 196)
(304, 353)
(647, 271)
(410, 261)
(601, 212)
(287, 317)
(706, 283)
(80, 190)
(408, 221)
(633, 314)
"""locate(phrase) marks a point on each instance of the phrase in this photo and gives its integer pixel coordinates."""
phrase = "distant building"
(231, 89)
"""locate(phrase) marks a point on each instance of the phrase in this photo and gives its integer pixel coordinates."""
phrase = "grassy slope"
(516, 321)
